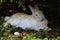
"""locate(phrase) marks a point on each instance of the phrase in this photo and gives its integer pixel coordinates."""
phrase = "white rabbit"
(36, 21)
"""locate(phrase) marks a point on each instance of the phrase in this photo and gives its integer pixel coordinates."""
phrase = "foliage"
(30, 37)
(6, 33)
(21, 3)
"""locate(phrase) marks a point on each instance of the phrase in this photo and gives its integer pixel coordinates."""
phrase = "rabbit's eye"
(36, 15)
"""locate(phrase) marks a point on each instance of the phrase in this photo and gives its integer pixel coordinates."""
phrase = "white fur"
(28, 21)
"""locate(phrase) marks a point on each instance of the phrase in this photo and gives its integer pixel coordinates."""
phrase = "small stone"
(17, 33)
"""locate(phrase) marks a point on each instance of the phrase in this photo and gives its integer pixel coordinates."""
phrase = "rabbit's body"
(22, 20)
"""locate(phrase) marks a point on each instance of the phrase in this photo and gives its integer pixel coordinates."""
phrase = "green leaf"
(45, 39)
(11, 1)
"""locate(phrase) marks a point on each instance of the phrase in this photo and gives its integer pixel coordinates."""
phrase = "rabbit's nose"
(42, 19)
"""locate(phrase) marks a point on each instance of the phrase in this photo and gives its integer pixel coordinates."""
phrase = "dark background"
(50, 8)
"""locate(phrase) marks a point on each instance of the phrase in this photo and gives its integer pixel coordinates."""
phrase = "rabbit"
(36, 21)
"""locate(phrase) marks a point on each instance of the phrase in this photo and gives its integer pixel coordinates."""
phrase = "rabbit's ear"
(35, 9)
(31, 8)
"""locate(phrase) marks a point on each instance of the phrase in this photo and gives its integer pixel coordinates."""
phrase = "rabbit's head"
(36, 13)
